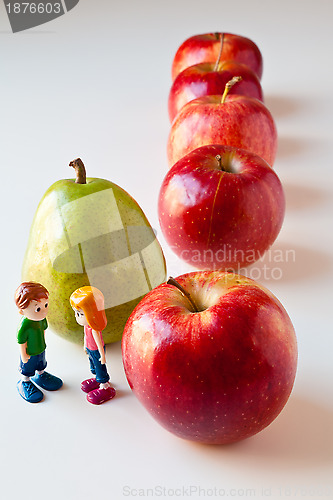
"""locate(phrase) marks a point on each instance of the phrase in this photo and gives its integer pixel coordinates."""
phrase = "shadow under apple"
(290, 146)
(287, 262)
(280, 105)
(303, 197)
(300, 437)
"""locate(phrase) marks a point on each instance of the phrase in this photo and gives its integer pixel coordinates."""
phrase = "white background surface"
(94, 83)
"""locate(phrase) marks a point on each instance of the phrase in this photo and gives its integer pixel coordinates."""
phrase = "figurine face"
(37, 310)
(80, 317)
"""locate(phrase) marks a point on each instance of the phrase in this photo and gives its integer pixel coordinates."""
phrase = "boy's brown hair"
(28, 291)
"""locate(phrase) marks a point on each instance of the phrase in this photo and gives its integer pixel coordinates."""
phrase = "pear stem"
(216, 67)
(172, 281)
(228, 87)
(80, 171)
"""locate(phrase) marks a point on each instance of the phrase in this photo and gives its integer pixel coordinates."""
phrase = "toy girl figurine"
(88, 305)
(32, 300)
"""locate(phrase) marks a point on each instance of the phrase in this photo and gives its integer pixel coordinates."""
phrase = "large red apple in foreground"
(221, 207)
(206, 48)
(210, 79)
(215, 363)
(234, 120)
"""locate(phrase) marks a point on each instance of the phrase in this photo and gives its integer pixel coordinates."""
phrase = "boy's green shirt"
(32, 332)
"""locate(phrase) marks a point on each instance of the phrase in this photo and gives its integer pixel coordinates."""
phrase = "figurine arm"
(24, 355)
(84, 342)
(99, 343)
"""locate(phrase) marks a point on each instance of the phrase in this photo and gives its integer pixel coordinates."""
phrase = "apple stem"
(172, 281)
(221, 37)
(219, 161)
(227, 165)
(229, 85)
(80, 171)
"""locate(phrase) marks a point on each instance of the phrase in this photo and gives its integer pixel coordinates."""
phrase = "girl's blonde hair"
(91, 301)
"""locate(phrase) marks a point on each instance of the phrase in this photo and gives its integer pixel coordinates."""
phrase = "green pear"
(89, 231)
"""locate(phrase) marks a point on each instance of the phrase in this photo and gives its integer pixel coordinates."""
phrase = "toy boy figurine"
(88, 305)
(32, 301)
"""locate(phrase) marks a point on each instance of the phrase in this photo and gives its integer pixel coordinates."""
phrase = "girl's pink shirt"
(89, 339)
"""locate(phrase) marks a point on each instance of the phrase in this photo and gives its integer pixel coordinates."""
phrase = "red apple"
(214, 360)
(233, 120)
(206, 47)
(210, 79)
(221, 207)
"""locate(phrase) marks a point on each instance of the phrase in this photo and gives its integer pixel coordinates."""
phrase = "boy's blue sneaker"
(47, 381)
(28, 391)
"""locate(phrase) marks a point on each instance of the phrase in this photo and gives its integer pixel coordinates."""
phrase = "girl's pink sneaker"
(89, 385)
(99, 396)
